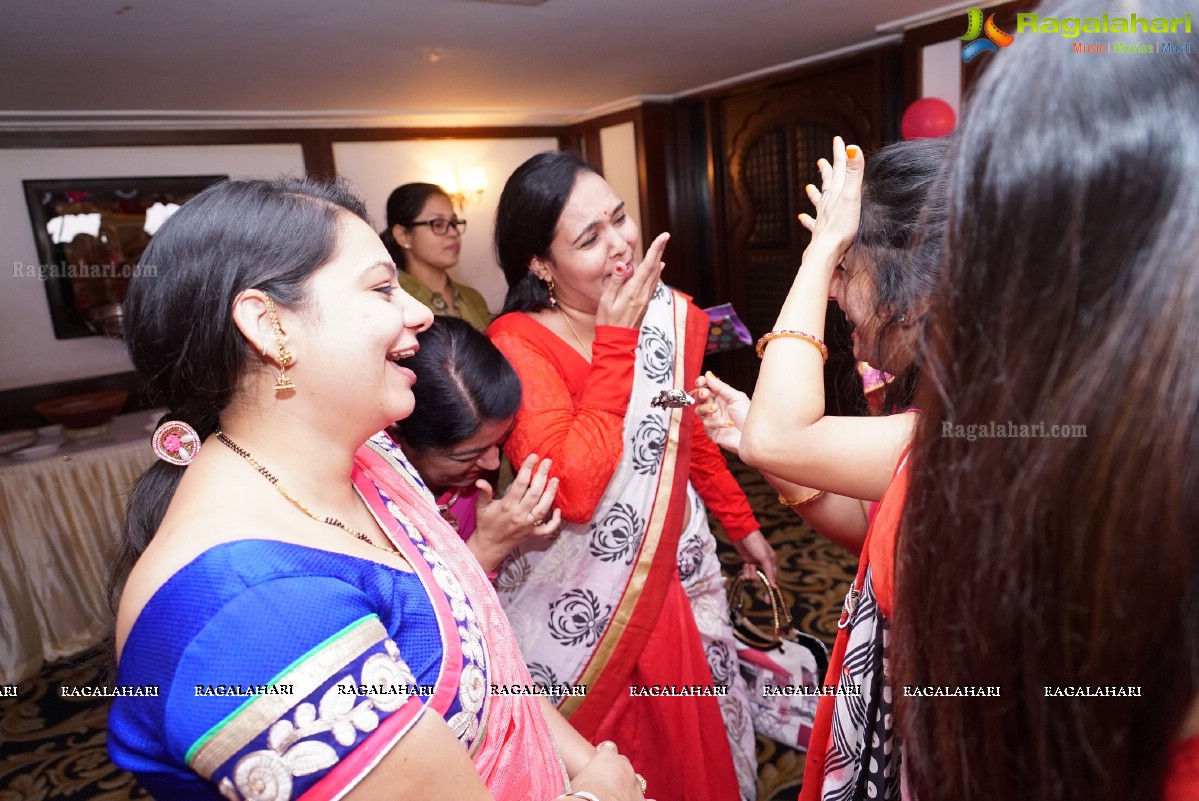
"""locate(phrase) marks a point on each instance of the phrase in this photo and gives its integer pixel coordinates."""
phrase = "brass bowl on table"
(83, 415)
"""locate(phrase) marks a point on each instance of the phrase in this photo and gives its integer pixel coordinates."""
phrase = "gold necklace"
(269, 476)
(578, 338)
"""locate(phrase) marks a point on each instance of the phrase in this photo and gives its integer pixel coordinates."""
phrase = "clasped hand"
(525, 511)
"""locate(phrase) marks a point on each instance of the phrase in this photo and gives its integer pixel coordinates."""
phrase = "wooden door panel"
(767, 143)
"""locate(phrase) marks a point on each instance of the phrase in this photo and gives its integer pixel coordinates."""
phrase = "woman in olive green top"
(424, 237)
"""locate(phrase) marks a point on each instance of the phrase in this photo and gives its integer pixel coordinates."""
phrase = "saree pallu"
(517, 757)
(290, 672)
(854, 753)
(601, 609)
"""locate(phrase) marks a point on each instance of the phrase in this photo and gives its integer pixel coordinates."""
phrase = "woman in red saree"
(874, 250)
(629, 599)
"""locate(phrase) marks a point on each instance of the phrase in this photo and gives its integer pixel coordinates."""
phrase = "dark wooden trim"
(586, 136)
(689, 260)
(318, 157)
(134, 137)
(800, 73)
(607, 120)
(914, 42)
(315, 143)
(718, 210)
(590, 147)
(892, 94)
(404, 134)
(653, 175)
(151, 138)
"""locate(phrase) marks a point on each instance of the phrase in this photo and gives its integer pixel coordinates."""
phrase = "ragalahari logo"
(996, 38)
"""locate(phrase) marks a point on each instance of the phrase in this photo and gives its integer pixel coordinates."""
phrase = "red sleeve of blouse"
(715, 484)
(585, 439)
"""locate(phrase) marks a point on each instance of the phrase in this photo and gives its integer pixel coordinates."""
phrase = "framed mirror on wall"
(90, 234)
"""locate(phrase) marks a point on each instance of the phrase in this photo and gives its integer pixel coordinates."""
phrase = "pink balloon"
(927, 118)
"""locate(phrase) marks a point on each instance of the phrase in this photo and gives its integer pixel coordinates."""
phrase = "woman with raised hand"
(839, 518)
(1061, 566)
(875, 250)
(630, 595)
(424, 238)
(891, 264)
(466, 397)
(314, 627)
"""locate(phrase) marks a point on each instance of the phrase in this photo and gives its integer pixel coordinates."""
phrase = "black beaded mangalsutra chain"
(269, 476)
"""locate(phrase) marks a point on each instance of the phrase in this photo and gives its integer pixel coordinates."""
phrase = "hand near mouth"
(628, 294)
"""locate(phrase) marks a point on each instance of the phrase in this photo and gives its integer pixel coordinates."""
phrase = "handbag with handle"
(784, 668)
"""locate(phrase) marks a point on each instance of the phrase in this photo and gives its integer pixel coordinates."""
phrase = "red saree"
(644, 631)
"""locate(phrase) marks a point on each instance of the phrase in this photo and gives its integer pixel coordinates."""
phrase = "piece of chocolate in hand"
(672, 399)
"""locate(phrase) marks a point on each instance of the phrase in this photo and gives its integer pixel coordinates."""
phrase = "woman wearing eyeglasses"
(424, 237)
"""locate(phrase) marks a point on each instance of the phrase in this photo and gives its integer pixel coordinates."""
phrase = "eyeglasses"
(441, 226)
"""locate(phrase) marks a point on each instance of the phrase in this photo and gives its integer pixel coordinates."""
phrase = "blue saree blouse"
(286, 671)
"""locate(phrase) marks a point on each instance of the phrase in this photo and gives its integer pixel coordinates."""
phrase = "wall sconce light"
(465, 187)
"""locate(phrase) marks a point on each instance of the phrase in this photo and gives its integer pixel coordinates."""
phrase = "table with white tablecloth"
(60, 515)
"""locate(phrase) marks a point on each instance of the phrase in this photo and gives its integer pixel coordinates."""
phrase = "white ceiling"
(398, 62)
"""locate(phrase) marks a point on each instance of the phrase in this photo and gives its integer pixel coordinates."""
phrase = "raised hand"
(839, 200)
(630, 290)
(525, 511)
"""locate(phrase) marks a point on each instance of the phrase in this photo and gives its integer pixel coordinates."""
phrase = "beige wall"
(376, 168)
(29, 353)
(618, 144)
(941, 73)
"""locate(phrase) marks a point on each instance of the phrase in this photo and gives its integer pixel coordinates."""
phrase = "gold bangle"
(801, 501)
(789, 333)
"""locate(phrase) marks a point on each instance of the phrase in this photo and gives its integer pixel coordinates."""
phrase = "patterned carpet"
(53, 748)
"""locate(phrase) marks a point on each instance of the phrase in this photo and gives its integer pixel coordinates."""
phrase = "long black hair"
(233, 236)
(900, 239)
(527, 218)
(1064, 556)
(404, 205)
(463, 381)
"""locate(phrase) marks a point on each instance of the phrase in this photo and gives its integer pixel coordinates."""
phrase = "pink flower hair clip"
(176, 442)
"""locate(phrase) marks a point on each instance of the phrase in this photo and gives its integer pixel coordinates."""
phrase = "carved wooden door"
(767, 143)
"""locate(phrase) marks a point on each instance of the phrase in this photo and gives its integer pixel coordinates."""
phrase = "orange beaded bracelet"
(802, 501)
(787, 332)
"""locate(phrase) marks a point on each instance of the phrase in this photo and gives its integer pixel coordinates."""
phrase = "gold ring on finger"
(641, 781)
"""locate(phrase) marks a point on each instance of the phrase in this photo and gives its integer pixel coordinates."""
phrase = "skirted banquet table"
(60, 512)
